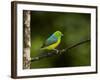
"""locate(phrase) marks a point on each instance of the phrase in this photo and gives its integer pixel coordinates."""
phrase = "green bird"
(53, 41)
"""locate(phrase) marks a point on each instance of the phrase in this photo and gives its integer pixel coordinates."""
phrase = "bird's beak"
(62, 35)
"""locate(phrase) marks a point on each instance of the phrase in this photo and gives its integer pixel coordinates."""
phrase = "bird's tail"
(43, 48)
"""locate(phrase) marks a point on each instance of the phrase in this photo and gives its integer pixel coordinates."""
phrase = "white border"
(30, 72)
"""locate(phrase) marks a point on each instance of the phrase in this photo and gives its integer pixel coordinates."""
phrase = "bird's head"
(58, 34)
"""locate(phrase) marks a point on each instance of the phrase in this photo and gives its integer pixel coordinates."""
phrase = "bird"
(52, 42)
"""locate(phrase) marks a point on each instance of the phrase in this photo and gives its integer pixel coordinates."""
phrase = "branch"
(27, 40)
(58, 52)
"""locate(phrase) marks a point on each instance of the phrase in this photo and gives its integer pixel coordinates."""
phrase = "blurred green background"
(74, 26)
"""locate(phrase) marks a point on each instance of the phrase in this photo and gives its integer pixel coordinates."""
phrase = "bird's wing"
(52, 39)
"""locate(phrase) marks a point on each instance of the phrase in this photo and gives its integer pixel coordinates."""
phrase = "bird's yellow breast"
(53, 46)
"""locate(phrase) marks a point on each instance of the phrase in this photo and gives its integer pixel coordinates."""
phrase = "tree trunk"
(26, 40)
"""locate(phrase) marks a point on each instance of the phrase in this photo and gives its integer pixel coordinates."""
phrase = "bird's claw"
(57, 51)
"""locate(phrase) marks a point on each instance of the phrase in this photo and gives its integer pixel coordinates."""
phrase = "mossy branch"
(52, 53)
(27, 40)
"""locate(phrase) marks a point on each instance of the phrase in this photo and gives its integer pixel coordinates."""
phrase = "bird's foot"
(57, 51)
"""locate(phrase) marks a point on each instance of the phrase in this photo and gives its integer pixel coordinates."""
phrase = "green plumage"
(53, 41)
